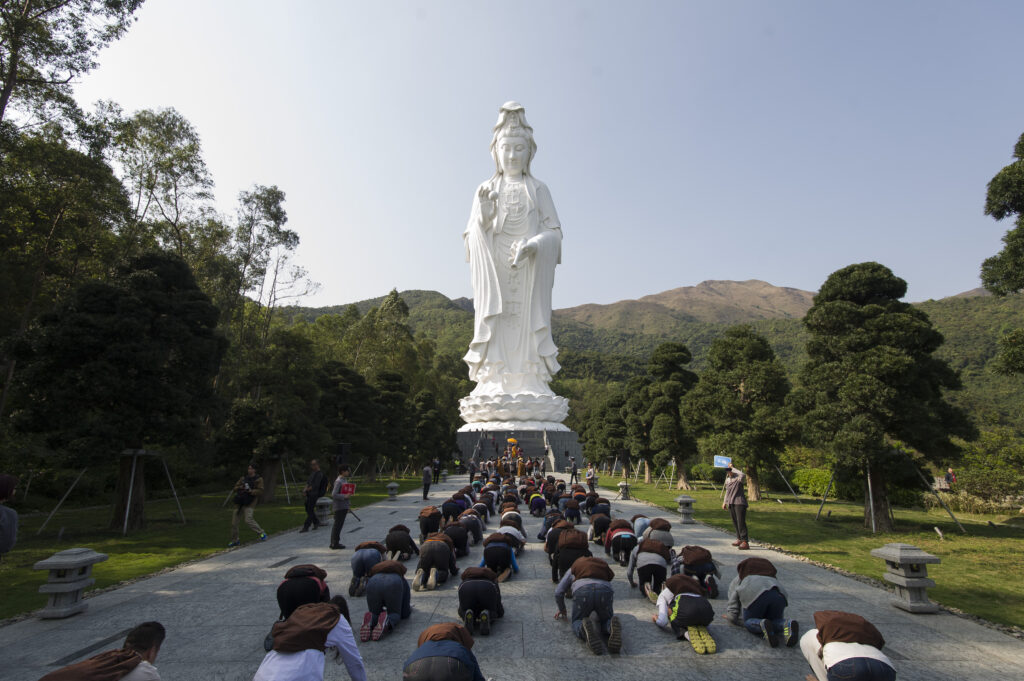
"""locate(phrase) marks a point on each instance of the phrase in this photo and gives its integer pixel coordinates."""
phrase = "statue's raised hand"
(523, 250)
(488, 206)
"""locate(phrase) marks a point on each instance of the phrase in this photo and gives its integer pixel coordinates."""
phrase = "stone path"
(217, 612)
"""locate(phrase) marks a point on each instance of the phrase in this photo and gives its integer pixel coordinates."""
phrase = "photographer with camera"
(735, 501)
(247, 490)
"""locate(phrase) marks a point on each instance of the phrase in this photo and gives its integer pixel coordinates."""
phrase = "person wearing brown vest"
(399, 543)
(500, 555)
(470, 519)
(388, 600)
(599, 523)
(683, 607)
(571, 545)
(437, 559)
(845, 646)
(302, 643)
(650, 560)
(756, 590)
(133, 662)
(366, 555)
(459, 536)
(696, 561)
(443, 653)
(480, 599)
(620, 540)
(590, 582)
(430, 521)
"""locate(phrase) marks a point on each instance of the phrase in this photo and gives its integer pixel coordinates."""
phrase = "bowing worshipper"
(756, 590)
(430, 521)
(650, 559)
(659, 529)
(619, 540)
(399, 543)
(443, 655)
(312, 634)
(437, 561)
(366, 555)
(845, 646)
(459, 536)
(470, 519)
(696, 561)
(134, 661)
(683, 608)
(500, 555)
(571, 545)
(589, 580)
(599, 523)
(388, 600)
(480, 599)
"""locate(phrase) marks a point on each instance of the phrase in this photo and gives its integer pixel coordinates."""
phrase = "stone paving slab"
(218, 611)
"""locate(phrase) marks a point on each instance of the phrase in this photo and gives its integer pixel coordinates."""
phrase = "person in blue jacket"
(443, 653)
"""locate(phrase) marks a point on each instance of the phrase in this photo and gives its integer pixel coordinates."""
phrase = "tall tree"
(737, 408)
(671, 440)
(1003, 273)
(872, 382)
(46, 44)
(59, 210)
(123, 365)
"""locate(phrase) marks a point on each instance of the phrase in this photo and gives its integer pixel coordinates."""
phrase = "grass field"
(164, 543)
(980, 571)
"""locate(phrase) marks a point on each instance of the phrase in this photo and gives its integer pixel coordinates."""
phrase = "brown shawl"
(683, 584)
(479, 573)
(446, 631)
(655, 546)
(109, 666)
(755, 566)
(388, 566)
(589, 567)
(306, 629)
(835, 626)
(693, 555)
(372, 545)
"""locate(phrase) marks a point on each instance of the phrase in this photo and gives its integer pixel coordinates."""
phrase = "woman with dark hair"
(8, 516)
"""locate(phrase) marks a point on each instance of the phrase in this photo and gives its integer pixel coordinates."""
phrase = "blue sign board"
(723, 461)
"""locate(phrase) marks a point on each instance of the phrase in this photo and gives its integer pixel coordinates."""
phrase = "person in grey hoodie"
(756, 590)
(341, 506)
(736, 502)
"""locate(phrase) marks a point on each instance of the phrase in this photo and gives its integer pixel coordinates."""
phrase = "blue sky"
(681, 141)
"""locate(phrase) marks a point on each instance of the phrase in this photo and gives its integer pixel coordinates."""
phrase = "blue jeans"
(391, 591)
(861, 669)
(363, 560)
(771, 606)
(589, 599)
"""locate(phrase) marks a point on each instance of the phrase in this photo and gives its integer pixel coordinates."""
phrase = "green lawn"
(164, 543)
(979, 574)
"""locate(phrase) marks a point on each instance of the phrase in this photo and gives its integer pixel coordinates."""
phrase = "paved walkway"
(218, 611)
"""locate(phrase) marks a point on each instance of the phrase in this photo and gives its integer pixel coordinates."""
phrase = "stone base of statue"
(554, 447)
(525, 411)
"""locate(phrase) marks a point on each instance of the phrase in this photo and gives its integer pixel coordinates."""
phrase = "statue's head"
(512, 124)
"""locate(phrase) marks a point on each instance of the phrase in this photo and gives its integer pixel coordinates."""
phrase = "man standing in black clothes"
(437, 469)
(315, 488)
(341, 506)
(428, 477)
(574, 475)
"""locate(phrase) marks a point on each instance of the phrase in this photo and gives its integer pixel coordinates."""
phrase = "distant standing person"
(8, 516)
(437, 469)
(428, 477)
(315, 488)
(736, 501)
(574, 473)
(247, 494)
(950, 477)
(591, 477)
(341, 506)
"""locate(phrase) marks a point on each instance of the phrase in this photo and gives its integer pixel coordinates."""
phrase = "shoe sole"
(591, 637)
(378, 631)
(794, 634)
(615, 636)
(504, 574)
(417, 581)
(432, 579)
(366, 629)
(697, 641)
(469, 620)
(651, 596)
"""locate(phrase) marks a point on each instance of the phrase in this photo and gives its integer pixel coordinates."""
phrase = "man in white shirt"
(292, 660)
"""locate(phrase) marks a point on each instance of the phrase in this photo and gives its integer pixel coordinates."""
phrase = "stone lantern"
(324, 506)
(685, 504)
(70, 574)
(624, 490)
(392, 491)
(907, 570)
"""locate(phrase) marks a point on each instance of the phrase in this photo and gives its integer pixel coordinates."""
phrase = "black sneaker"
(485, 623)
(591, 636)
(353, 586)
(712, 586)
(615, 636)
(469, 620)
(769, 635)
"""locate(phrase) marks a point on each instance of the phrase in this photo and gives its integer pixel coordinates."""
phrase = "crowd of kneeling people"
(314, 625)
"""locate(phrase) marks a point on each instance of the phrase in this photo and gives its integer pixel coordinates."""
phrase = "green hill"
(613, 342)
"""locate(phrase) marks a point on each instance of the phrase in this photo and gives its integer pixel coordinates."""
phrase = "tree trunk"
(683, 483)
(647, 472)
(271, 469)
(883, 510)
(753, 486)
(137, 511)
(371, 468)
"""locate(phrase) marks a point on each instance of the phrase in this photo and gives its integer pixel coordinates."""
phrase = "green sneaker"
(791, 633)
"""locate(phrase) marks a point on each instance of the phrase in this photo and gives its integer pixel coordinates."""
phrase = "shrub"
(963, 502)
(814, 481)
(702, 471)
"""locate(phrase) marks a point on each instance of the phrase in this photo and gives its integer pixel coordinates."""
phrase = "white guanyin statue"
(513, 242)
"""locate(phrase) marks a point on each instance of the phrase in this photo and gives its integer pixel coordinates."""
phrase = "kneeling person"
(846, 646)
(443, 653)
(480, 599)
(590, 582)
(683, 607)
(133, 662)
